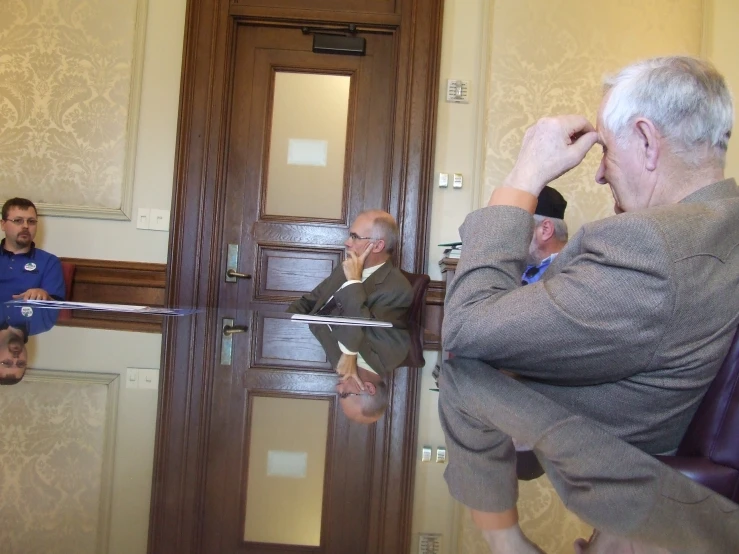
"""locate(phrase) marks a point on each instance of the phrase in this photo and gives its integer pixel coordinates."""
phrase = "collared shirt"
(35, 269)
(534, 272)
(366, 272)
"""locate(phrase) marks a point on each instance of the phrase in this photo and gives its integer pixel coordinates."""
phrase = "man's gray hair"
(560, 227)
(385, 228)
(686, 98)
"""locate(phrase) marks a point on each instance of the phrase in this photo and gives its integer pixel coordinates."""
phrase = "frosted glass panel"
(308, 145)
(287, 457)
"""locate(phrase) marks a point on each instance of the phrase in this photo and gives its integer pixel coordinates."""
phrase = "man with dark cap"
(550, 234)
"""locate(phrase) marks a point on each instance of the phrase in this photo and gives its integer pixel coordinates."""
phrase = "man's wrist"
(510, 196)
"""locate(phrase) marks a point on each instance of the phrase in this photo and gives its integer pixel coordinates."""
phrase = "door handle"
(232, 264)
(236, 275)
(228, 329)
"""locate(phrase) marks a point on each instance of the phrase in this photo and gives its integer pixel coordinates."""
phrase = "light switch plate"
(149, 379)
(142, 218)
(426, 454)
(443, 180)
(457, 181)
(440, 455)
(159, 220)
(132, 378)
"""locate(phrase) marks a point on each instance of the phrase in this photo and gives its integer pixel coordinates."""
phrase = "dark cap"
(551, 204)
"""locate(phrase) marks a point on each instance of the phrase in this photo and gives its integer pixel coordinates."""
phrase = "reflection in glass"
(364, 358)
(287, 458)
(308, 145)
(17, 324)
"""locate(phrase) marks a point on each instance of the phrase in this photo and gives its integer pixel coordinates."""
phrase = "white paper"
(281, 463)
(307, 152)
(338, 320)
(124, 308)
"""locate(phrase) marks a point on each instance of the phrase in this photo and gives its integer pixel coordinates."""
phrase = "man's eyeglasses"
(32, 221)
(355, 236)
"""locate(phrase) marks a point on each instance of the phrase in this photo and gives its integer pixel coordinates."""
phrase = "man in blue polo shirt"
(26, 272)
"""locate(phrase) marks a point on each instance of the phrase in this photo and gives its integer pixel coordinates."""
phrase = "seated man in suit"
(550, 234)
(364, 358)
(26, 272)
(367, 284)
(627, 327)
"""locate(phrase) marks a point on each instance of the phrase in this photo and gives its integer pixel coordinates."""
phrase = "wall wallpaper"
(54, 458)
(66, 75)
(548, 58)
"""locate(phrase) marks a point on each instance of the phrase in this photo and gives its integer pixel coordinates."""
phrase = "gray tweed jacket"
(629, 324)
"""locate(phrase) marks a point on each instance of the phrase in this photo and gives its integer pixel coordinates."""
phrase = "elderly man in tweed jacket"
(622, 336)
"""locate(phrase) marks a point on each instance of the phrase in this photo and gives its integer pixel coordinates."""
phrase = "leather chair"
(420, 283)
(709, 451)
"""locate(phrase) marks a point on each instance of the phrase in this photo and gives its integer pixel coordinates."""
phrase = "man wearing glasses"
(26, 272)
(366, 284)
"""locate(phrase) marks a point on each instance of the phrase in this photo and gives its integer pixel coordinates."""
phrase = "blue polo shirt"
(30, 320)
(36, 269)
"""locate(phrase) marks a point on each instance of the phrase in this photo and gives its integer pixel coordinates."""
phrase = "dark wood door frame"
(194, 268)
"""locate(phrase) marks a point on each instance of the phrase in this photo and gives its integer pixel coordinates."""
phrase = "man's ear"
(370, 388)
(547, 229)
(379, 246)
(650, 141)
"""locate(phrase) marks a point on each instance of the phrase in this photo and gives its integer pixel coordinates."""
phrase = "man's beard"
(15, 345)
(23, 239)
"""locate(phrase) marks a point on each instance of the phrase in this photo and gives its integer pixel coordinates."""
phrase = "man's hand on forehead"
(550, 148)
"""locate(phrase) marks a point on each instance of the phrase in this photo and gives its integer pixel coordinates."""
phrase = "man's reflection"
(364, 358)
(17, 324)
(13, 355)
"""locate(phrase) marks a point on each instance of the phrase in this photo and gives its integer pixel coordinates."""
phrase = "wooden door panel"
(286, 272)
(371, 6)
(280, 343)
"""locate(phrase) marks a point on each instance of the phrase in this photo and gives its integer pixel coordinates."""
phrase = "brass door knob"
(236, 275)
(229, 330)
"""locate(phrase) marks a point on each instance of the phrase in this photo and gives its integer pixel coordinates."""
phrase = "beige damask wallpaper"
(69, 89)
(55, 462)
(547, 58)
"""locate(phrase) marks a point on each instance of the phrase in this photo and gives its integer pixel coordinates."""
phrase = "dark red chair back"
(709, 451)
(420, 283)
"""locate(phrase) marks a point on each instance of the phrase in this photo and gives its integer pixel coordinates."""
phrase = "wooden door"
(308, 144)
(211, 411)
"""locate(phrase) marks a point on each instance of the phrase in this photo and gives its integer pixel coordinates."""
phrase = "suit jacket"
(386, 295)
(629, 324)
(383, 348)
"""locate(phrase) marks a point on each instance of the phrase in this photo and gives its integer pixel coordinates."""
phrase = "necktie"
(328, 307)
